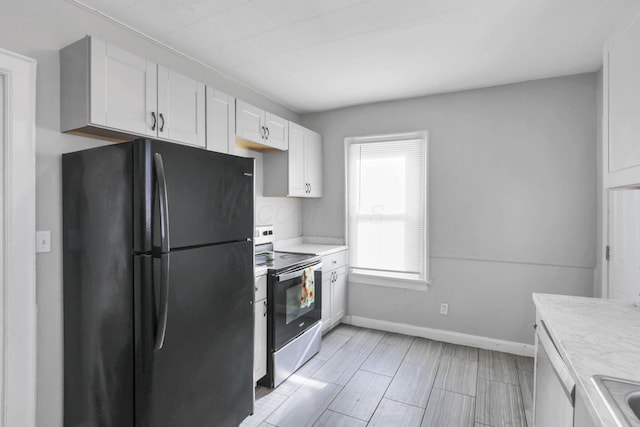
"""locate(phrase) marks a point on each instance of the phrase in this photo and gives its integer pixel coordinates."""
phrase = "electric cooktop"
(285, 260)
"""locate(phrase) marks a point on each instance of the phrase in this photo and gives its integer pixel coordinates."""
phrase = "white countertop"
(312, 248)
(594, 336)
(311, 245)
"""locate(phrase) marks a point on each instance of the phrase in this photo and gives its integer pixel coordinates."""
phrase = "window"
(387, 208)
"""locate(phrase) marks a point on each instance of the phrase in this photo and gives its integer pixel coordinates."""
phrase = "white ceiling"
(314, 55)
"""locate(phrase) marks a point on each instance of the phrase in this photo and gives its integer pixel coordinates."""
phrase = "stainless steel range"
(294, 294)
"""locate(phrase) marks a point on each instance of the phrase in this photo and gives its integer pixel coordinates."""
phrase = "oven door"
(295, 305)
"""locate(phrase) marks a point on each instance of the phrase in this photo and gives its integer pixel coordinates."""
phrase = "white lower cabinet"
(558, 400)
(334, 289)
(581, 417)
(260, 333)
(339, 295)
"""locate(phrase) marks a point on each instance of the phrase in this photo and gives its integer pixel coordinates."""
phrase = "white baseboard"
(486, 343)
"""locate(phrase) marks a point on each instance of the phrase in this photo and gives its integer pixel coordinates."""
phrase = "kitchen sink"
(622, 397)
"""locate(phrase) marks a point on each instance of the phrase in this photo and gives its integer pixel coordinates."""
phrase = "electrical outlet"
(43, 241)
(444, 308)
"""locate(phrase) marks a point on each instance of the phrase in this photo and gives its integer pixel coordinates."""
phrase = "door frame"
(17, 248)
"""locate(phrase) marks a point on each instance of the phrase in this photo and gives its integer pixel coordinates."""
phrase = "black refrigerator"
(158, 286)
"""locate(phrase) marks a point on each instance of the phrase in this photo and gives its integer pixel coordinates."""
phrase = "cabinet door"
(339, 296)
(260, 341)
(123, 89)
(297, 183)
(327, 285)
(624, 99)
(249, 122)
(313, 162)
(220, 119)
(277, 131)
(581, 417)
(181, 105)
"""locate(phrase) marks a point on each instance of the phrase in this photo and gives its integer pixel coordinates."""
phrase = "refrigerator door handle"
(164, 249)
(164, 301)
(164, 203)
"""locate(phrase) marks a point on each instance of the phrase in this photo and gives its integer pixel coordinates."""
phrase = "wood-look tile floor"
(364, 377)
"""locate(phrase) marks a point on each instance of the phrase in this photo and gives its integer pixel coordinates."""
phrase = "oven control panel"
(263, 234)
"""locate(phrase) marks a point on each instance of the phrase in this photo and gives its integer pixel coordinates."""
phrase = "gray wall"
(512, 201)
(39, 29)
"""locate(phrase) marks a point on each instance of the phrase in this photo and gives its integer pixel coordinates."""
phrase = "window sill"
(389, 282)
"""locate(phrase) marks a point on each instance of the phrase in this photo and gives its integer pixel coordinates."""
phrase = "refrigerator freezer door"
(203, 374)
(209, 196)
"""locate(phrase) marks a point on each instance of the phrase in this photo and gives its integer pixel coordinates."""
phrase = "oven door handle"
(293, 274)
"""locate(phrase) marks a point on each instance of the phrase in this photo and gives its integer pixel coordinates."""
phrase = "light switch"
(43, 241)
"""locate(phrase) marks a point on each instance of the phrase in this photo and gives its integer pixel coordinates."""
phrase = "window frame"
(369, 278)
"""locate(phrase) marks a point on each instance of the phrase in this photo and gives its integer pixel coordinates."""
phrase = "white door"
(123, 89)
(220, 109)
(17, 265)
(297, 183)
(339, 295)
(277, 130)
(624, 244)
(313, 162)
(181, 108)
(249, 122)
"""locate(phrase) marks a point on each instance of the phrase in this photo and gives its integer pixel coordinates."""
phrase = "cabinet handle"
(263, 133)
(309, 188)
(268, 133)
(265, 309)
(162, 125)
(153, 126)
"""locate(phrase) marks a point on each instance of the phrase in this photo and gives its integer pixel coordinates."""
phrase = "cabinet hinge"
(607, 253)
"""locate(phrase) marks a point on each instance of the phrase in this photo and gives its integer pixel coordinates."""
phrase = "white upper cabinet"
(298, 171)
(313, 162)
(277, 130)
(109, 93)
(181, 108)
(259, 130)
(296, 163)
(249, 122)
(622, 106)
(123, 89)
(220, 121)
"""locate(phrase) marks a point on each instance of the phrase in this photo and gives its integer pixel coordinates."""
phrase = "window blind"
(387, 205)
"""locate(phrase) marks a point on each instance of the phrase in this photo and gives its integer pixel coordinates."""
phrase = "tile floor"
(364, 377)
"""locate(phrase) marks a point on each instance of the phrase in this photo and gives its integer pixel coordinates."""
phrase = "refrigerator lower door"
(203, 373)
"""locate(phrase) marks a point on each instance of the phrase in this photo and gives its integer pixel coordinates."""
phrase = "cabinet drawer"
(334, 261)
(261, 287)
